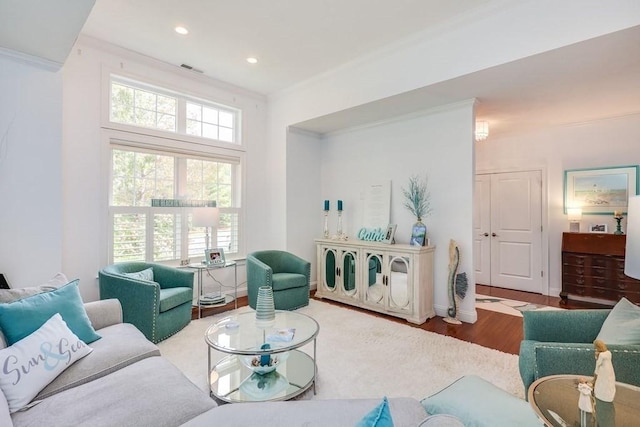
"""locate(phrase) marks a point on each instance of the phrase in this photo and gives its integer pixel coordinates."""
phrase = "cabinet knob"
(494, 235)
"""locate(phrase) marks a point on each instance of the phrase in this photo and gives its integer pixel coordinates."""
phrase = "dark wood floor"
(499, 331)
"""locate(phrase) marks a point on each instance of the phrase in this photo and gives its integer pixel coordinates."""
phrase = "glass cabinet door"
(398, 283)
(374, 279)
(349, 272)
(330, 269)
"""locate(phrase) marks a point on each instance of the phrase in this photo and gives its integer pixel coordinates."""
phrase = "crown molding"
(35, 61)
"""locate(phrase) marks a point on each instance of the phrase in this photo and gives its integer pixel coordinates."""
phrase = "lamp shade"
(632, 252)
(574, 214)
(206, 217)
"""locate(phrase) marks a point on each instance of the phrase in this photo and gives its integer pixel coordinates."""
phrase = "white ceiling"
(296, 40)
(292, 39)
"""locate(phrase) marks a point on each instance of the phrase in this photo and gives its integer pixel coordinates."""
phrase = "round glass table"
(555, 400)
(238, 376)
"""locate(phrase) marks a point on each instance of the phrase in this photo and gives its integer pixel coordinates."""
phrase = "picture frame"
(214, 257)
(600, 191)
(389, 235)
(598, 228)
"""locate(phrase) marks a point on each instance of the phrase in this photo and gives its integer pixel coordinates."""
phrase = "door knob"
(494, 235)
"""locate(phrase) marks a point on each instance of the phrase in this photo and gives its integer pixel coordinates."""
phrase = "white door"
(482, 229)
(515, 230)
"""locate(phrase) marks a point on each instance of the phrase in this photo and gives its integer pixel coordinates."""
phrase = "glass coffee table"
(555, 400)
(235, 378)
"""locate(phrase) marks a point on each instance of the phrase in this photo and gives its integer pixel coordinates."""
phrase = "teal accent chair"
(158, 309)
(561, 342)
(288, 275)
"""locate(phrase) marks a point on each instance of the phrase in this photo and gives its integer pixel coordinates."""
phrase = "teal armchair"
(561, 342)
(288, 275)
(158, 308)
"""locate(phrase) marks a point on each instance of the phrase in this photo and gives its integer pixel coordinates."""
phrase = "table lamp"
(206, 217)
(632, 251)
(574, 215)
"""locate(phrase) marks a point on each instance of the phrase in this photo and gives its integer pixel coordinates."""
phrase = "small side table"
(208, 268)
(555, 400)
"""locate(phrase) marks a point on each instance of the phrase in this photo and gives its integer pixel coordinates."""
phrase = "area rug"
(508, 306)
(364, 356)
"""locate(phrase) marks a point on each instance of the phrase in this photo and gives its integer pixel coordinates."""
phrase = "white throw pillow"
(10, 295)
(32, 363)
(622, 325)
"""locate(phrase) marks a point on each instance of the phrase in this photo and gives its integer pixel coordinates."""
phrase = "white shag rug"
(364, 356)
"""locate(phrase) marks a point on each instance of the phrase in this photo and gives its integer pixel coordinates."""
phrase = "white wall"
(303, 195)
(437, 144)
(602, 143)
(30, 173)
(85, 156)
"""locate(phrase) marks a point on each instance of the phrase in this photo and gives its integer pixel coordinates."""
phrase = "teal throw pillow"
(622, 325)
(20, 318)
(478, 403)
(146, 274)
(380, 416)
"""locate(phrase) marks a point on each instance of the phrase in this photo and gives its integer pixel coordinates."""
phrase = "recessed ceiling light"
(181, 30)
(252, 60)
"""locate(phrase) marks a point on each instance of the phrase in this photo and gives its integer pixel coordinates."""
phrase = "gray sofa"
(125, 382)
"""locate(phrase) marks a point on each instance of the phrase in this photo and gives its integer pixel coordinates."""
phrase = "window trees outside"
(140, 232)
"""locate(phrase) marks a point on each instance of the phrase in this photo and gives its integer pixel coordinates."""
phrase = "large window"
(137, 104)
(140, 232)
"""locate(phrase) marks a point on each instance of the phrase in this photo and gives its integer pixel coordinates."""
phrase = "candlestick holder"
(326, 225)
(618, 227)
(340, 235)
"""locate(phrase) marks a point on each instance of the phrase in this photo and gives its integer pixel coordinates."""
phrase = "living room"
(75, 197)
(56, 202)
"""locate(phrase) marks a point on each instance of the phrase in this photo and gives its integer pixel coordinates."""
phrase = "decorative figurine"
(604, 379)
(457, 284)
(584, 402)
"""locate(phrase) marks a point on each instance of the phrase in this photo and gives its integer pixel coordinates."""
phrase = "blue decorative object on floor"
(265, 359)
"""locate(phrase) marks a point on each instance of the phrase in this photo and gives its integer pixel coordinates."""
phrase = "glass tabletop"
(555, 398)
(238, 334)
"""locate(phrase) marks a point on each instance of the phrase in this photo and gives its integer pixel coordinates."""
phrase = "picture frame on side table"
(600, 191)
(390, 234)
(214, 257)
(598, 228)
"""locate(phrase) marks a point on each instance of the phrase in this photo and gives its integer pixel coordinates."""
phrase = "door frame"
(544, 220)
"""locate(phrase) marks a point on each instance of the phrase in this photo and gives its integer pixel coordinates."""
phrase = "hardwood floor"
(499, 331)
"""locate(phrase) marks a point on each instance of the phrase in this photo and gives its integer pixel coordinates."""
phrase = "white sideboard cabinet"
(392, 279)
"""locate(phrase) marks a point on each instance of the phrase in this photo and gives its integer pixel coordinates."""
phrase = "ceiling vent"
(190, 68)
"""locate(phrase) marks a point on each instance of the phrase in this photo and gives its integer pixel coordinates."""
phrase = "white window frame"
(149, 143)
(182, 96)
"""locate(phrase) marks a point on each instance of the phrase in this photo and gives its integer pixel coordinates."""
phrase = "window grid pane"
(144, 108)
(166, 237)
(129, 237)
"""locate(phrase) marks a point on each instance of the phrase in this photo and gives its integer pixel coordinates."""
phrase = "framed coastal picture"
(600, 191)
(597, 228)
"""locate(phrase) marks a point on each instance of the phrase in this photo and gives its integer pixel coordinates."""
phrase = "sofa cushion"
(34, 361)
(622, 325)
(22, 317)
(5, 416)
(282, 281)
(121, 345)
(146, 274)
(380, 416)
(173, 297)
(405, 412)
(478, 403)
(9, 295)
(151, 392)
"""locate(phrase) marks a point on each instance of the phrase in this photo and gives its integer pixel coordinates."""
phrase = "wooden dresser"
(593, 267)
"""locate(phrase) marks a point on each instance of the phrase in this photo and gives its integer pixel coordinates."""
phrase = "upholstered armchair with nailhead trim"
(155, 298)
